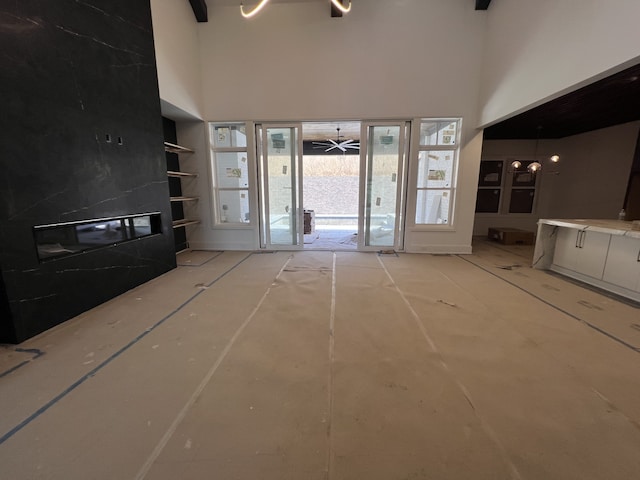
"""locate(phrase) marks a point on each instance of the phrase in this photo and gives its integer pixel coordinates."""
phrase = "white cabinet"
(582, 251)
(604, 253)
(566, 251)
(623, 263)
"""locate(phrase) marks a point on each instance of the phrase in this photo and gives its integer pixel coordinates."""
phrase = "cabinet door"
(566, 251)
(623, 266)
(592, 253)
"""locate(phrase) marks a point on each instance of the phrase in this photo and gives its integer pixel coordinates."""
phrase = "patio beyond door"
(383, 158)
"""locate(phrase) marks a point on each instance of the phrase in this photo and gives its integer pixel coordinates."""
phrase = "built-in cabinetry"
(183, 183)
(623, 263)
(603, 253)
(581, 251)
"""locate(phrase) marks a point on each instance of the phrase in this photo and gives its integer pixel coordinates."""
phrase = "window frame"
(507, 186)
(419, 147)
(217, 210)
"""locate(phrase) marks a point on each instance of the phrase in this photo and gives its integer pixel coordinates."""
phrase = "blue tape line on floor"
(93, 372)
(37, 353)
(596, 328)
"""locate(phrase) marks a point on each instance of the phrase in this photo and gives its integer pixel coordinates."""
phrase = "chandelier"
(534, 166)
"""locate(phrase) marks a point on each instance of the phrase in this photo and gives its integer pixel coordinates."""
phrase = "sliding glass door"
(280, 150)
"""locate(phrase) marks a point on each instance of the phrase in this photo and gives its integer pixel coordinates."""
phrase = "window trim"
(417, 147)
(216, 204)
(507, 186)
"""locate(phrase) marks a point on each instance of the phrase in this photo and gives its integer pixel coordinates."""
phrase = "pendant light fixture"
(248, 14)
(339, 6)
(255, 10)
(535, 166)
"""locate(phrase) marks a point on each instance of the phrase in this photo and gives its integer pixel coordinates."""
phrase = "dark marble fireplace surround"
(81, 138)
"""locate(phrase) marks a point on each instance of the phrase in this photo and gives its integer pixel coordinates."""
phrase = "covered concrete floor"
(323, 365)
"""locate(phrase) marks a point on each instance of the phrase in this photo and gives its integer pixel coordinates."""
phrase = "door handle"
(638, 257)
(577, 245)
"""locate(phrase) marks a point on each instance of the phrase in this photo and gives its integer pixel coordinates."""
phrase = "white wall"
(538, 50)
(386, 59)
(177, 57)
(591, 183)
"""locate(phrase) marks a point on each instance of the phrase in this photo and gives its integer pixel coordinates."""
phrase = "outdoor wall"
(592, 180)
(384, 60)
(539, 50)
(175, 36)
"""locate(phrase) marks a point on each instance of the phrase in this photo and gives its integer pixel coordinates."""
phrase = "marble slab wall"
(81, 138)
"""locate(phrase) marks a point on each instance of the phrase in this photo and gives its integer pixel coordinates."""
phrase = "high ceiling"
(480, 4)
(611, 101)
(200, 6)
(607, 102)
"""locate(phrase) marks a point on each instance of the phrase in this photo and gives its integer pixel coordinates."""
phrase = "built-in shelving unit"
(180, 174)
(178, 149)
(183, 199)
(184, 223)
(173, 148)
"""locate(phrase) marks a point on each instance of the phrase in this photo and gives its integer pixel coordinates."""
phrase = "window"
(501, 194)
(489, 186)
(230, 173)
(437, 168)
(523, 190)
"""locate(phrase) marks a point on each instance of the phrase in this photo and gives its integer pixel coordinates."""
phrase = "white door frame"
(401, 179)
(263, 185)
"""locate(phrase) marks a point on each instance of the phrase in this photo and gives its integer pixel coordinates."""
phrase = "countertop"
(612, 227)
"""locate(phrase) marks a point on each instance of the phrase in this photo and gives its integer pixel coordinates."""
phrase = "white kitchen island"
(603, 253)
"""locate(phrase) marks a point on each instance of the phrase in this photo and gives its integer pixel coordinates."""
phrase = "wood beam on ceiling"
(199, 10)
(482, 4)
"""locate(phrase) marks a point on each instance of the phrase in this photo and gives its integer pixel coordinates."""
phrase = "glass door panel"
(281, 186)
(383, 160)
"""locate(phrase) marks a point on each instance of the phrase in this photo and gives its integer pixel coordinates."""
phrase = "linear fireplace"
(62, 239)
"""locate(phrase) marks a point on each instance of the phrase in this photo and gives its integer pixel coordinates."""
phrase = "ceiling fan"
(343, 145)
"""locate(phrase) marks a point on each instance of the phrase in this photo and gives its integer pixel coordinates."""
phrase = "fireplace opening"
(62, 239)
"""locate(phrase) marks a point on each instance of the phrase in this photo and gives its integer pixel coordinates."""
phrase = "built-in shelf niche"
(173, 148)
(179, 223)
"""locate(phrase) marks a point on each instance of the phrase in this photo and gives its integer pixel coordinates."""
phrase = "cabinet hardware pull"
(578, 238)
(638, 257)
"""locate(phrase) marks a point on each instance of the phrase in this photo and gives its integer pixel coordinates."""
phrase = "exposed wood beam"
(482, 4)
(199, 10)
